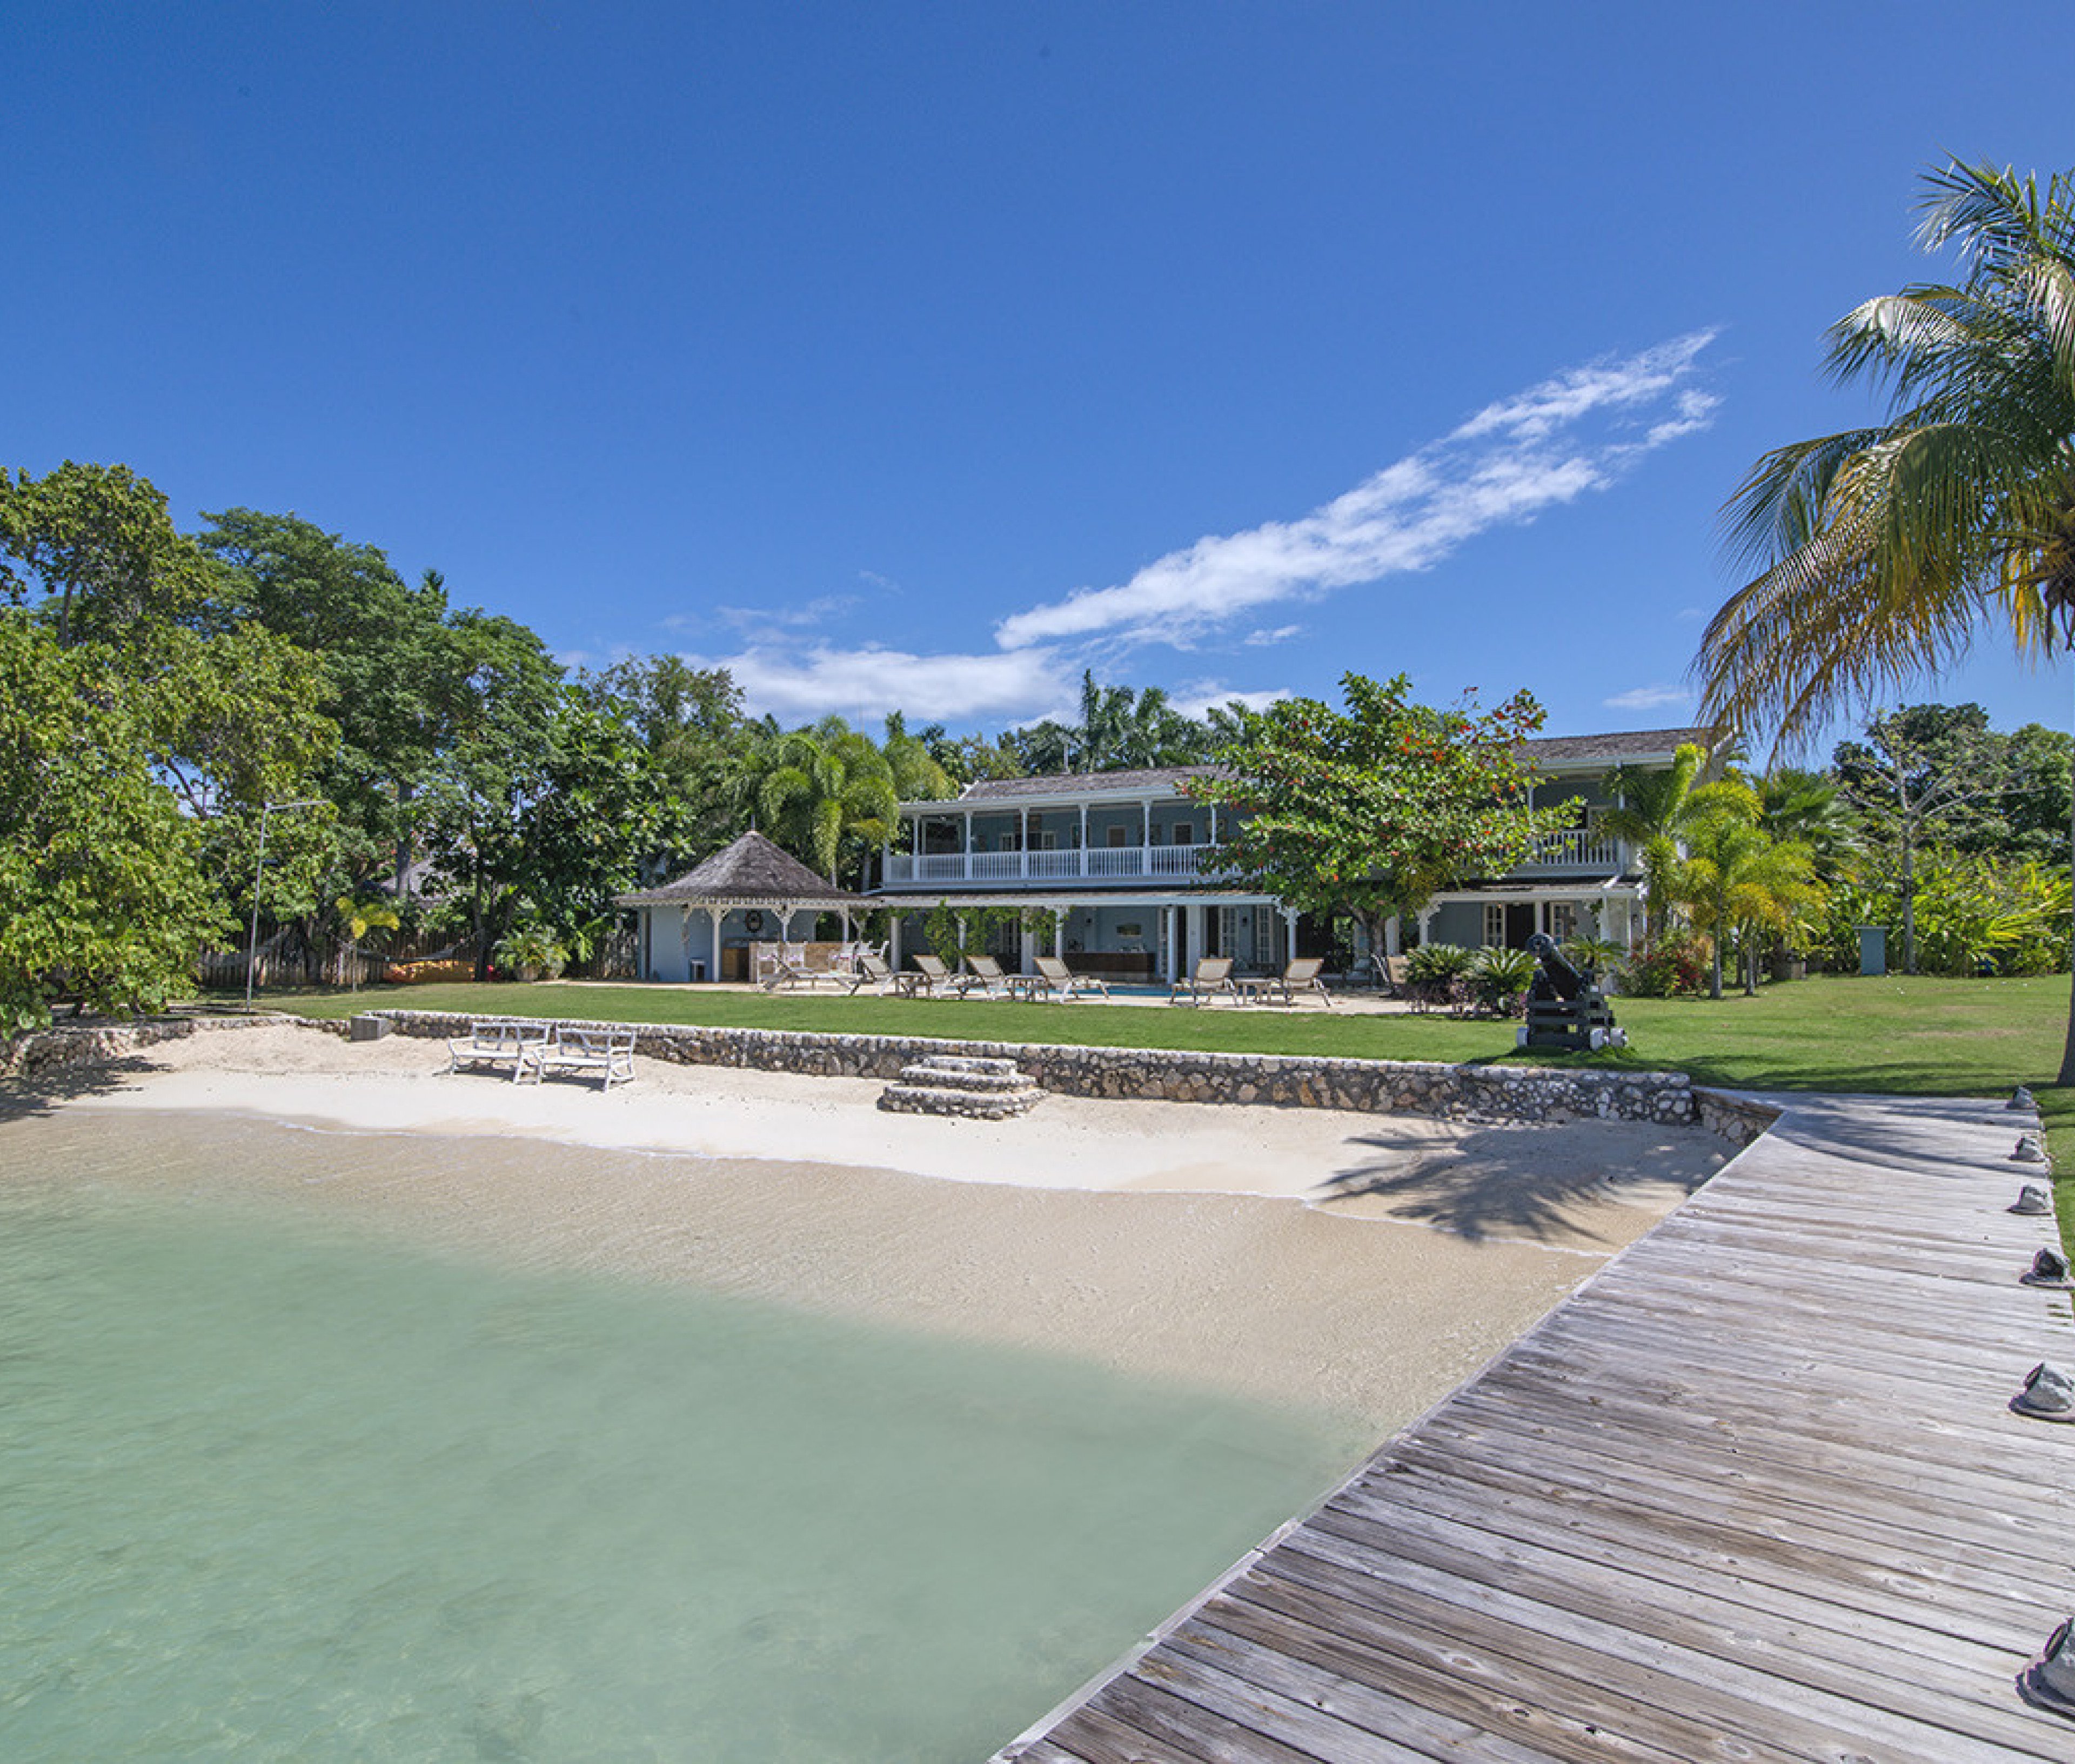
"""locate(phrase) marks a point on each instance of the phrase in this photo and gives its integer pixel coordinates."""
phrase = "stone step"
(973, 1105)
(954, 1078)
(966, 1063)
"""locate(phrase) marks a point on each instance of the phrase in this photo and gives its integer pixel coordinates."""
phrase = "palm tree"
(1886, 550)
(1655, 807)
(1737, 881)
(812, 789)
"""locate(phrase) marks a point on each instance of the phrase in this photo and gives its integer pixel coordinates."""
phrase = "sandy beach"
(1360, 1263)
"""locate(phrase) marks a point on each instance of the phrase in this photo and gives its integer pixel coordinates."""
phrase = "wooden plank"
(1752, 1494)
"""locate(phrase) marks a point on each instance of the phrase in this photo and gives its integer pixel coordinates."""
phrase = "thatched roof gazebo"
(749, 879)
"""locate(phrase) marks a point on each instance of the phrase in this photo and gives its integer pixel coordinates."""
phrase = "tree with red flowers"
(1374, 810)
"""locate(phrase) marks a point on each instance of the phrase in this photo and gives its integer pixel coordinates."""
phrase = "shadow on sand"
(1511, 1180)
(23, 1096)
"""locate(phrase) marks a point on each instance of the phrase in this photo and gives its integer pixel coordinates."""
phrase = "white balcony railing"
(1583, 848)
(1097, 863)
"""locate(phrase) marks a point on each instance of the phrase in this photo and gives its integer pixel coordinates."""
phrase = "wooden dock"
(1753, 1494)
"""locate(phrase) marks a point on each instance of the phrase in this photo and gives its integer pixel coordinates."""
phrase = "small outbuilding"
(703, 926)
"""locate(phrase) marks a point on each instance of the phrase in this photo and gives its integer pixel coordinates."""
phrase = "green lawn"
(1900, 1037)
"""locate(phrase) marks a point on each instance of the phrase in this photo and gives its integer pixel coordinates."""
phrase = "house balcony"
(1583, 848)
(1094, 865)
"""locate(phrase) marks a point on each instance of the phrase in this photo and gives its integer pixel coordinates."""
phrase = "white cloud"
(1503, 466)
(1197, 699)
(814, 612)
(1649, 699)
(1260, 639)
(865, 683)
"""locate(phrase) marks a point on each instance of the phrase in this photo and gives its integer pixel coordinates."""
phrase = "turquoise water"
(272, 1489)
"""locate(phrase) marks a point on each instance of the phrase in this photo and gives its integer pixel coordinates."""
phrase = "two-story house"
(1123, 864)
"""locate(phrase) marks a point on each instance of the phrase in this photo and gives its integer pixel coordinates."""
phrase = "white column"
(1289, 933)
(715, 915)
(1023, 851)
(1026, 949)
(1427, 923)
(968, 861)
(1391, 934)
(1194, 944)
(893, 941)
(1059, 932)
(1145, 838)
(1084, 838)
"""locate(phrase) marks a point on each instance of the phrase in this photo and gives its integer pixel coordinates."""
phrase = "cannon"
(1565, 1008)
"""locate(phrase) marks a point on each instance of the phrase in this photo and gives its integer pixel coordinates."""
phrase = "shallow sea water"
(272, 1487)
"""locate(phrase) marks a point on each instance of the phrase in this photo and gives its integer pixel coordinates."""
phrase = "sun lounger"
(1300, 976)
(870, 971)
(931, 978)
(1213, 978)
(496, 1042)
(1065, 982)
(986, 978)
(608, 1051)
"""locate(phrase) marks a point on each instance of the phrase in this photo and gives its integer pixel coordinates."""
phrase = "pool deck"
(1754, 1493)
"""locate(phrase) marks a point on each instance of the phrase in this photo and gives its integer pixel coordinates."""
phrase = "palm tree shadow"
(1545, 1182)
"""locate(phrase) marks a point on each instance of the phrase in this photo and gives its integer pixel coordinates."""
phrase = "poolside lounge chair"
(985, 979)
(1301, 976)
(930, 977)
(1063, 980)
(1211, 978)
(870, 970)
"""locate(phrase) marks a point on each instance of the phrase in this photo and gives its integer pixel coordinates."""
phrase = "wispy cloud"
(817, 611)
(1572, 435)
(1508, 463)
(864, 684)
(1649, 699)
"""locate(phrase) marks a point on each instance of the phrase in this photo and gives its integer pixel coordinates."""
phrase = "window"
(1117, 836)
(1563, 920)
(1494, 925)
(1047, 840)
(1185, 833)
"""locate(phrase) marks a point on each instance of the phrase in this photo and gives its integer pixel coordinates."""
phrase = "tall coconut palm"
(1886, 550)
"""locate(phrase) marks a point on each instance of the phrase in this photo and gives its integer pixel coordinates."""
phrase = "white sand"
(1362, 1263)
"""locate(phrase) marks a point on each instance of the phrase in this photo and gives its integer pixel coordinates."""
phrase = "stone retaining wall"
(61, 1049)
(1473, 1093)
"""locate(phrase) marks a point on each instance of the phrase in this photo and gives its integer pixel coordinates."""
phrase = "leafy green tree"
(99, 542)
(389, 653)
(103, 895)
(691, 721)
(1916, 770)
(1885, 550)
(227, 712)
(1374, 810)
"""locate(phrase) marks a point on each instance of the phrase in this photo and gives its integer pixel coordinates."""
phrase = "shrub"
(1499, 979)
(1675, 965)
(1432, 969)
(532, 954)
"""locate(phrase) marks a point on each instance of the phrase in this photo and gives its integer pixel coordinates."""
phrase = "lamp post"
(258, 870)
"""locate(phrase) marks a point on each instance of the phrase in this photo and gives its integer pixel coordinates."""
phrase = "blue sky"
(922, 356)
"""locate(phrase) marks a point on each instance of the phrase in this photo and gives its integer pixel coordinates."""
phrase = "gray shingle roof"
(1613, 749)
(1155, 778)
(751, 869)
